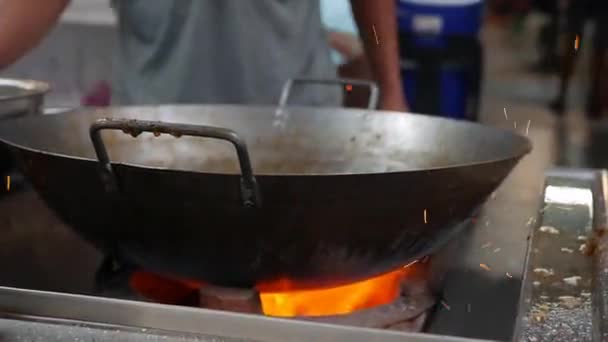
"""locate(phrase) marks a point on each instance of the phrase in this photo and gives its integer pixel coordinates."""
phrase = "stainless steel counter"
(564, 290)
(35, 315)
(13, 329)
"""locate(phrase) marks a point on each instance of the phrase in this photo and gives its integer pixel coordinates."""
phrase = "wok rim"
(27, 87)
(522, 150)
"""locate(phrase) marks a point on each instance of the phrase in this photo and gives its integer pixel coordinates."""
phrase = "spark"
(577, 42)
(411, 263)
(497, 250)
(445, 305)
(485, 267)
(425, 217)
(509, 275)
(375, 34)
(8, 183)
(528, 127)
(515, 124)
(486, 245)
(349, 88)
(505, 111)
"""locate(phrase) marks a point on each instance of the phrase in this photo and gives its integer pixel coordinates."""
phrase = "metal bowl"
(19, 98)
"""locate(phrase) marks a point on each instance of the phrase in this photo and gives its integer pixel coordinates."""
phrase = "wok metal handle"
(249, 189)
(373, 88)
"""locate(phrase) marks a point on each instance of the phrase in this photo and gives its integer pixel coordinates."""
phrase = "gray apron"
(220, 51)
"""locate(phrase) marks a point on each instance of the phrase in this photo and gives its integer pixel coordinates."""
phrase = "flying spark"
(349, 88)
(8, 183)
(577, 42)
(505, 111)
(528, 127)
(411, 263)
(515, 124)
(375, 34)
(425, 217)
(445, 305)
(485, 267)
(509, 275)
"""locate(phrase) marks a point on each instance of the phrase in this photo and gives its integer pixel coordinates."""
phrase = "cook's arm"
(383, 53)
(23, 24)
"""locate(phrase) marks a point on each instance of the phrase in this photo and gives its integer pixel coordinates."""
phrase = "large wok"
(324, 196)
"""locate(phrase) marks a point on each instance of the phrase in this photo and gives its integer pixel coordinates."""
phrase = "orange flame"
(339, 300)
(276, 298)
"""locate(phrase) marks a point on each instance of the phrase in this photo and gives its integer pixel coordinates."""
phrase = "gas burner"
(399, 300)
(407, 312)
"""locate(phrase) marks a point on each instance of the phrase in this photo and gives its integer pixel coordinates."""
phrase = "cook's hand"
(394, 101)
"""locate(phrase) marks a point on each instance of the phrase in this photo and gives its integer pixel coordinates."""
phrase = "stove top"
(508, 276)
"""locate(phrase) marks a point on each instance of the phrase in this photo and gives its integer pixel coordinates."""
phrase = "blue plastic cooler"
(441, 56)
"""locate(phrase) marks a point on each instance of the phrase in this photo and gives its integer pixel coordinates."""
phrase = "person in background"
(219, 51)
(348, 52)
(547, 40)
(578, 12)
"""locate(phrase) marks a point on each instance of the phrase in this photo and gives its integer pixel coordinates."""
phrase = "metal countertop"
(86, 318)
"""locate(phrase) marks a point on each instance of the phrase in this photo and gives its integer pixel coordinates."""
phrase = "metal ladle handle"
(249, 189)
(373, 88)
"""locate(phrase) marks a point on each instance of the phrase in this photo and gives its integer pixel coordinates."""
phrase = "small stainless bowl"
(21, 97)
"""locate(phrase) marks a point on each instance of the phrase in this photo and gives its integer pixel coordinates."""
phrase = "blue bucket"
(441, 30)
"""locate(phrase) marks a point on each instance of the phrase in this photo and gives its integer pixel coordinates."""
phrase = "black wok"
(320, 196)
